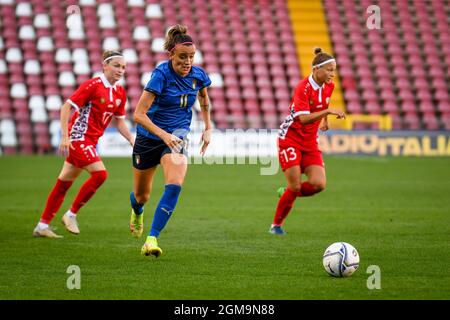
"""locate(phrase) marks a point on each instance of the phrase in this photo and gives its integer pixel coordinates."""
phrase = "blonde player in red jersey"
(298, 149)
(95, 102)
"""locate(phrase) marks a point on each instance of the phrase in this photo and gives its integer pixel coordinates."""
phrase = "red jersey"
(309, 97)
(96, 101)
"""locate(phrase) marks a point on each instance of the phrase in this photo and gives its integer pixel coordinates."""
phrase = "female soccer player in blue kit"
(163, 115)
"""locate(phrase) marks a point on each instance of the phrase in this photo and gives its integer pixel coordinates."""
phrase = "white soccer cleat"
(45, 233)
(71, 224)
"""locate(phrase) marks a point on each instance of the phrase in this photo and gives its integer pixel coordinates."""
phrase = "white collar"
(314, 83)
(106, 82)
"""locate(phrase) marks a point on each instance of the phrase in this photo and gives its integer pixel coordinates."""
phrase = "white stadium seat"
(107, 22)
(63, 55)
(136, 3)
(105, 9)
(45, 44)
(66, 78)
(24, 9)
(198, 58)
(141, 33)
(7, 126)
(145, 78)
(216, 79)
(42, 20)
(158, 45)
(55, 132)
(80, 54)
(153, 11)
(53, 102)
(38, 114)
(32, 67)
(130, 55)
(8, 140)
(77, 33)
(55, 127)
(19, 91)
(36, 101)
(87, 3)
(27, 33)
(111, 43)
(13, 55)
(3, 67)
(81, 67)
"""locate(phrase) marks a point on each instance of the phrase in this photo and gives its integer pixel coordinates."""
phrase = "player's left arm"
(203, 99)
(123, 129)
(324, 124)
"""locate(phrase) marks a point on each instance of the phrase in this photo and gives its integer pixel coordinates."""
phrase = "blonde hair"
(109, 54)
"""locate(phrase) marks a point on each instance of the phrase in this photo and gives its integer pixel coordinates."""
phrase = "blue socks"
(138, 208)
(165, 208)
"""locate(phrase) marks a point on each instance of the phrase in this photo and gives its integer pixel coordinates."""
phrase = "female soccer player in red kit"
(95, 102)
(298, 149)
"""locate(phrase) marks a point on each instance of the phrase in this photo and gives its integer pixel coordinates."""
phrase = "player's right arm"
(140, 117)
(302, 110)
(312, 117)
(64, 123)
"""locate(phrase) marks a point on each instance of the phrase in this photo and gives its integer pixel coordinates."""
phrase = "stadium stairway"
(311, 30)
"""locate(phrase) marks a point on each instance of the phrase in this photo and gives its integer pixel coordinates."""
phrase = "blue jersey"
(175, 95)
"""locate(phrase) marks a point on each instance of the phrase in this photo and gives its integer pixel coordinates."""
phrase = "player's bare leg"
(316, 180)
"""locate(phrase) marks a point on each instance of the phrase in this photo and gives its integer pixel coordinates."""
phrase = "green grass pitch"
(395, 211)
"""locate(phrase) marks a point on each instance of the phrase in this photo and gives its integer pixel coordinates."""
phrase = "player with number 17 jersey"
(96, 101)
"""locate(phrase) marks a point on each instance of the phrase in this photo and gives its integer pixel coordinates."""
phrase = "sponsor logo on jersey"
(110, 105)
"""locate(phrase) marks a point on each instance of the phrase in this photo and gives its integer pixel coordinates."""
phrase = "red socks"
(307, 190)
(88, 189)
(284, 206)
(287, 201)
(55, 200)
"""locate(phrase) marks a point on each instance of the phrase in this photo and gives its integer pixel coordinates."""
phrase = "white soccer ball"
(341, 259)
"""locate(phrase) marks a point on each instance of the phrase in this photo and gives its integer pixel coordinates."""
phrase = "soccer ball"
(341, 259)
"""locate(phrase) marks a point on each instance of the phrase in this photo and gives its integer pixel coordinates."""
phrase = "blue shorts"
(147, 152)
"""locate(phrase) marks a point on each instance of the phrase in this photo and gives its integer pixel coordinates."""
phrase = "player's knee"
(318, 185)
(295, 187)
(99, 177)
(142, 197)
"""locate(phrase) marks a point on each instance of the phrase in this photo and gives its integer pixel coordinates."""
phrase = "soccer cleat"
(280, 191)
(136, 224)
(277, 230)
(45, 233)
(150, 247)
(71, 224)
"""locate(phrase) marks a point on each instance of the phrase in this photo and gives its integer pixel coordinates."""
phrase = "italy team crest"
(194, 83)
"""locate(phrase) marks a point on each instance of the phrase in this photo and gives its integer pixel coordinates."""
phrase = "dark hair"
(110, 53)
(320, 56)
(176, 34)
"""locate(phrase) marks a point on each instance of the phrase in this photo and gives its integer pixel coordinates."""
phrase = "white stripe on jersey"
(73, 104)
